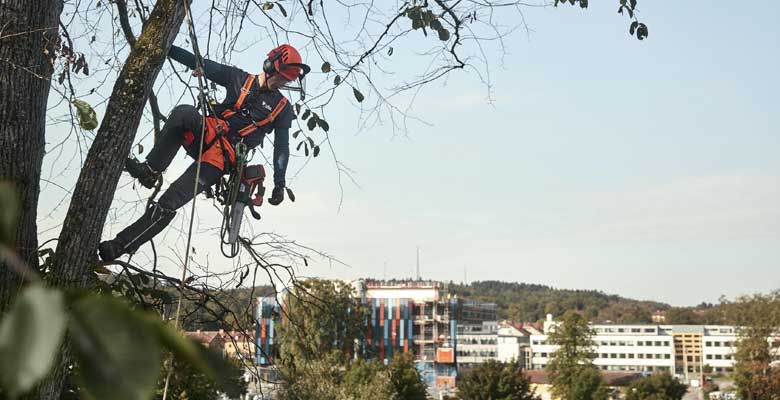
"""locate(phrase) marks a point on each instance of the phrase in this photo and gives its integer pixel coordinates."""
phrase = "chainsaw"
(251, 183)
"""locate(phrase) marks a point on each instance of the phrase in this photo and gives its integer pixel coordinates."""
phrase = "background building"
(418, 317)
(684, 350)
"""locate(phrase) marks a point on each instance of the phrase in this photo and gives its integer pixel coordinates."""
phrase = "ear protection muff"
(268, 64)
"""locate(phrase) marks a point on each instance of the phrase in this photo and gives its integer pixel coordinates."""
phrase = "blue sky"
(645, 169)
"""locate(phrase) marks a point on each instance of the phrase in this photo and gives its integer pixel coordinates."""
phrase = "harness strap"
(272, 116)
(240, 102)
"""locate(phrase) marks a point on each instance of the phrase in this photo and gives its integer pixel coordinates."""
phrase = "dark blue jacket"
(259, 103)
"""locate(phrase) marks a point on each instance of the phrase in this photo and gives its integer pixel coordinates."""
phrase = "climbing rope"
(204, 103)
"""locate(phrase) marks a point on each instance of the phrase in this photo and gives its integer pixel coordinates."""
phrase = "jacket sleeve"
(213, 71)
(282, 145)
(281, 155)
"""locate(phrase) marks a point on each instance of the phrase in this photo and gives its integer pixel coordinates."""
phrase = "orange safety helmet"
(287, 61)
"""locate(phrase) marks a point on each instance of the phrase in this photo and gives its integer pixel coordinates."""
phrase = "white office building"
(683, 350)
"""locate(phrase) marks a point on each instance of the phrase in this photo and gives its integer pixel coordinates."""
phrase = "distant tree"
(319, 358)
(319, 316)
(758, 318)
(367, 380)
(661, 386)
(496, 380)
(586, 383)
(405, 381)
(682, 316)
(571, 369)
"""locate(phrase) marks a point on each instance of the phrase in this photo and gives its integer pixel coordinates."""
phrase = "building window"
(635, 330)
(622, 355)
(613, 355)
(709, 356)
(639, 343)
(666, 343)
(667, 356)
(640, 355)
(649, 330)
(718, 357)
(708, 343)
(630, 355)
(658, 343)
(621, 330)
(648, 343)
(621, 343)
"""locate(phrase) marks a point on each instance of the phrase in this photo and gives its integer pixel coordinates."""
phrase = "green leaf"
(298, 147)
(436, 24)
(86, 115)
(311, 142)
(641, 31)
(118, 354)
(306, 149)
(268, 6)
(9, 213)
(284, 12)
(633, 27)
(358, 96)
(312, 123)
(316, 151)
(30, 336)
(306, 114)
(297, 108)
(140, 148)
(323, 124)
(290, 194)
(444, 34)
(325, 67)
(337, 80)
(296, 133)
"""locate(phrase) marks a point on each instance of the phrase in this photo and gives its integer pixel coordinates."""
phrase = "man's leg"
(161, 213)
(183, 118)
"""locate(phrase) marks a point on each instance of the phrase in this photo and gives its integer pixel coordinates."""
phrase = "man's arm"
(213, 71)
(281, 155)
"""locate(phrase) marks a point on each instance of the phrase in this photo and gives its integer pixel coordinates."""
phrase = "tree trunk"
(29, 33)
(77, 246)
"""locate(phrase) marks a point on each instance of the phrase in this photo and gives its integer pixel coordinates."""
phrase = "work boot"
(146, 176)
(110, 250)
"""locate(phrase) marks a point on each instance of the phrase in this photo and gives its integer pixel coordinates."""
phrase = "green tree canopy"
(660, 386)
(494, 380)
(571, 369)
(758, 319)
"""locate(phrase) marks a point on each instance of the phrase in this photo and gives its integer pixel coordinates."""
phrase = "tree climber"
(252, 108)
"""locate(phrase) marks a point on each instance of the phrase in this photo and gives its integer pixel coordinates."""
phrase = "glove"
(277, 196)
